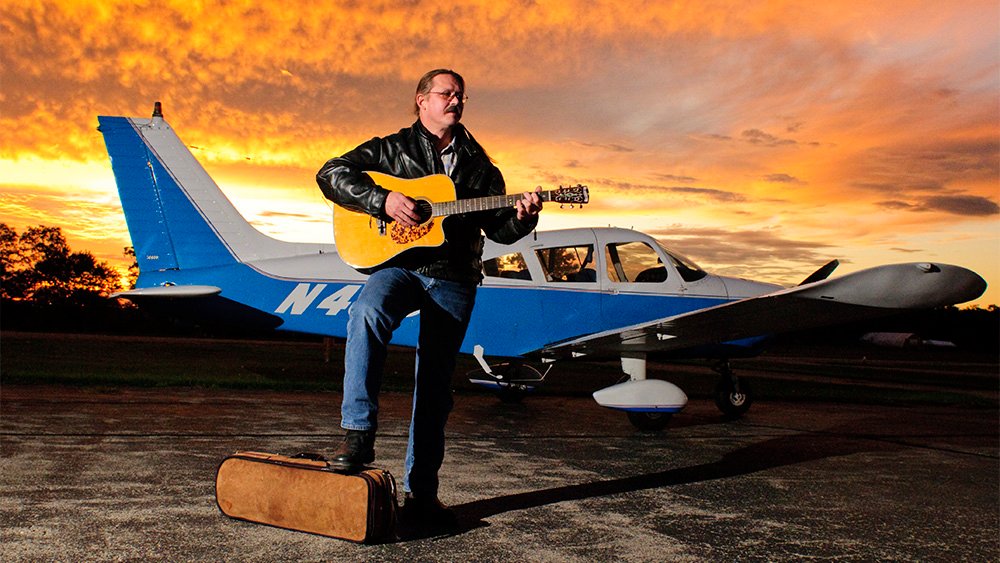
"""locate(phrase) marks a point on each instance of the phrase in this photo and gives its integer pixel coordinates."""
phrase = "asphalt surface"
(90, 474)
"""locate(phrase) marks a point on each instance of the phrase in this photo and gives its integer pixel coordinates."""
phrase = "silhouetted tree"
(133, 267)
(10, 260)
(39, 267)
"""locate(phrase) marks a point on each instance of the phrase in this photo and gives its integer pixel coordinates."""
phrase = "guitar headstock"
(573, 195)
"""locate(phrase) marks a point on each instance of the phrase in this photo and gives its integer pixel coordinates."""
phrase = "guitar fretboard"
(444, 208)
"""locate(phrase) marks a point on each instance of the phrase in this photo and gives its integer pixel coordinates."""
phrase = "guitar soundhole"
(424, 210)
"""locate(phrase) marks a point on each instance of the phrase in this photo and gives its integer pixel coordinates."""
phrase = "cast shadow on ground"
(769, 454)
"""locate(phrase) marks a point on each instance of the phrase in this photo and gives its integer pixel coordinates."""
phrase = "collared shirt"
(449, 156)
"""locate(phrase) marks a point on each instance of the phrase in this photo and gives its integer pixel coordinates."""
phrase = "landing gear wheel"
(732, 401)
(511, 394)
(650, 421)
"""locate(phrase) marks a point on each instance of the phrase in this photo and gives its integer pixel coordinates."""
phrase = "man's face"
(442, 106)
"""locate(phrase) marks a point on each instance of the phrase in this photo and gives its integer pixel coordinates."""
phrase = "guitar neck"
(445, 208)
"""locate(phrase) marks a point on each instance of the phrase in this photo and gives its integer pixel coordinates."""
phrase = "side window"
(568, 263)
(507, 266)
(634, 262)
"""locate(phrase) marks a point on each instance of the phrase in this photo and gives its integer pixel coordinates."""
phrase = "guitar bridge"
(381, 227)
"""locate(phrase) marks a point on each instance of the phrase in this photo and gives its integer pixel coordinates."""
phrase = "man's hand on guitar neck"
(402, 209)
(405, 210)
(529, 204)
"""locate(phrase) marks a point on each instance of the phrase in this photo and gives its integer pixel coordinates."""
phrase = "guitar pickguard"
(401, 234)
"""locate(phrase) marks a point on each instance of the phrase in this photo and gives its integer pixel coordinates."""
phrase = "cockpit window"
(568, 263)
(688, 270)
(634, 262)
(510, 266)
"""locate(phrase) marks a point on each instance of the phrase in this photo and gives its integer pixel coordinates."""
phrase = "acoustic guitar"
(366, 243)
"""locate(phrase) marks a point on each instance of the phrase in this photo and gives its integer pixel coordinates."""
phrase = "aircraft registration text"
(304, 294)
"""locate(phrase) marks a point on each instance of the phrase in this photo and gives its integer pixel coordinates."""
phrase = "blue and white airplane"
(592, 293)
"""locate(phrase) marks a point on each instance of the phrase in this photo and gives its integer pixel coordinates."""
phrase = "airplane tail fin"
(177, 216)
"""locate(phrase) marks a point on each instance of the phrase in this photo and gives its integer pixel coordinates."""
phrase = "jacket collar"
(463, 140)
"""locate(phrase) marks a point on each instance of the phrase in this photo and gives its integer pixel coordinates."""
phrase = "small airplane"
(584, 293)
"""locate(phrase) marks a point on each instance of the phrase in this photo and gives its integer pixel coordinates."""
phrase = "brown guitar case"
(302, 493)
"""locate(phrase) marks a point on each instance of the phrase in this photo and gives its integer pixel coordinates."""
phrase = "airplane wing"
(870, 293)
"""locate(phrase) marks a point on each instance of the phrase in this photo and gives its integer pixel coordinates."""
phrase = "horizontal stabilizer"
(170, 291)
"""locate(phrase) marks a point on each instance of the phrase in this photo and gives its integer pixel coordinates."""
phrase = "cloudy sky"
(759, 138)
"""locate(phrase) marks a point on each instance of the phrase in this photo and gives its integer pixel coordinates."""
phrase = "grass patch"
(143, 361)
(36, 358)
(312, 365)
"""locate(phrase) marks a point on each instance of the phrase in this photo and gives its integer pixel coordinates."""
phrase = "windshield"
(688, 270)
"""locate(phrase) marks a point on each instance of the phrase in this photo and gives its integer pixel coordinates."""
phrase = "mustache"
(453, 109)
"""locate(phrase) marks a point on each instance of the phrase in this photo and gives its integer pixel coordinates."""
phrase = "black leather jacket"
(410, 153)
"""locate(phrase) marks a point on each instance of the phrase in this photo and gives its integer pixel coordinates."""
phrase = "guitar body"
(365, 243)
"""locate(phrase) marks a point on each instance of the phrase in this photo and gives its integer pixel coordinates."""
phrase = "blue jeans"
(387, 298)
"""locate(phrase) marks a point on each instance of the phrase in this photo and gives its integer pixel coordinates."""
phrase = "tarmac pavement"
(91, 474)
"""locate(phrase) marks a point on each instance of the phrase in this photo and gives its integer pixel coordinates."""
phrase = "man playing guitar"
(440, 281)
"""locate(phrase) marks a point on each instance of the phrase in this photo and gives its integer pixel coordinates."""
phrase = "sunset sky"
(761, 139)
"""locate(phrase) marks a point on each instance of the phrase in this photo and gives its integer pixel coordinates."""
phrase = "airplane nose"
(902, 286)
(965, 285)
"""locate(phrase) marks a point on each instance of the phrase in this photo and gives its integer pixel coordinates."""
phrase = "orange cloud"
(863, 129)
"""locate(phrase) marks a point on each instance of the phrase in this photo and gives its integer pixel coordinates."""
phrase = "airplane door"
(642, 281)
(569, 268)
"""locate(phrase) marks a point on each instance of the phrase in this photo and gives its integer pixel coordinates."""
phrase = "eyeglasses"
(460, 96)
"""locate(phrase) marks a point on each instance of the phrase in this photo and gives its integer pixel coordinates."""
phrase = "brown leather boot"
(357, 449)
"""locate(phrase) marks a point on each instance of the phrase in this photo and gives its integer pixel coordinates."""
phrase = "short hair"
(424, 86)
